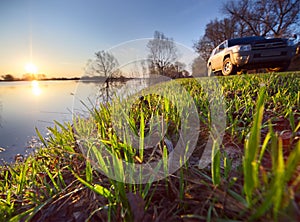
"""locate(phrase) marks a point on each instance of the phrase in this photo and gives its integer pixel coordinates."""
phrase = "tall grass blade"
(216, 166)
(41, 137)
(96, 187)
(250, 164)
(22, 177)
(279, 183)
(142, 136)
(52, 179)
(88, 171)
(292, 162)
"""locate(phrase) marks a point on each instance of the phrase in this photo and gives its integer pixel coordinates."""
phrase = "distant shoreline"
(84, 78)
(72, 78)
(48, 79)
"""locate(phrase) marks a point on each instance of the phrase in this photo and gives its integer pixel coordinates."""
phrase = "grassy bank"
(255, 175)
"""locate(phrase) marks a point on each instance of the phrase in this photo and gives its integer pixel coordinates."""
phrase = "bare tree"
(265, 17)
(162, 53)
(105, 65)
(204, 47)
(216, 31)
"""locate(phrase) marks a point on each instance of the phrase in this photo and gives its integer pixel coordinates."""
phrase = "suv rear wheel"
(228, 68)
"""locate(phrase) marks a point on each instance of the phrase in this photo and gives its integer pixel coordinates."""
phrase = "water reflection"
(27, 105)
(35, 87)
(90, 94)
(1, 109)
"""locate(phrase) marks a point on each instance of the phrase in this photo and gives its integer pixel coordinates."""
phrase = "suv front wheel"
(228, 68)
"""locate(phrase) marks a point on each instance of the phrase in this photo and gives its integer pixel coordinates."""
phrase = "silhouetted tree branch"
(273, 18)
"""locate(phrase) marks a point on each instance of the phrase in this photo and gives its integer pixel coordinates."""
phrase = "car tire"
(228, 68)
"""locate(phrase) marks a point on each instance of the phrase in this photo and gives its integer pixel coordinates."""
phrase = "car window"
(213, 52)
(220, 48)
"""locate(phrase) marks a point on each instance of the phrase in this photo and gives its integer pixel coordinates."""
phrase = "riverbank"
(254, 175)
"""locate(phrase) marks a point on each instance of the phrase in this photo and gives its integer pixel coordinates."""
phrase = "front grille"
(268, 45)
(260, 55)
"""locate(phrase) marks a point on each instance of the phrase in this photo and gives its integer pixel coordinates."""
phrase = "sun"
(31, 68)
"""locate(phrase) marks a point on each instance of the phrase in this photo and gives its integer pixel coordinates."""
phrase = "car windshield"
(246, 40)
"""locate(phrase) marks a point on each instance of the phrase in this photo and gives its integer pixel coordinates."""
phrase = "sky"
(60, 36)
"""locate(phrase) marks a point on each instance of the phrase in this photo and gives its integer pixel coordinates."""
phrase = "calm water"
(26, 105)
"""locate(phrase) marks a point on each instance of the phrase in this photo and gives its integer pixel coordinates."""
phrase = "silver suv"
(237, 55)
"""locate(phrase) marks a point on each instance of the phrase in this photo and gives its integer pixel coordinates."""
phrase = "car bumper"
(262, 58)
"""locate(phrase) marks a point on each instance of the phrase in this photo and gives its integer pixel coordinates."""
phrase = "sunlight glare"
(36, 90)
(31, 68)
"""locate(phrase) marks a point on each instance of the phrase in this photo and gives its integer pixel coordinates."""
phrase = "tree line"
(25, 77)
(162, 60)
(30, 77)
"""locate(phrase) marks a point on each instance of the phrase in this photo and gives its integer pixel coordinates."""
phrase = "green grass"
(67, 175)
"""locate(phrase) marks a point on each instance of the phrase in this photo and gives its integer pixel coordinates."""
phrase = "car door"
(217, 59)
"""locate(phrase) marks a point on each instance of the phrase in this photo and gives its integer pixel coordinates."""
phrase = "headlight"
(245, 48)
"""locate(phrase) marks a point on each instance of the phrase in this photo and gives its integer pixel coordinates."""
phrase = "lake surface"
(27, 105)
